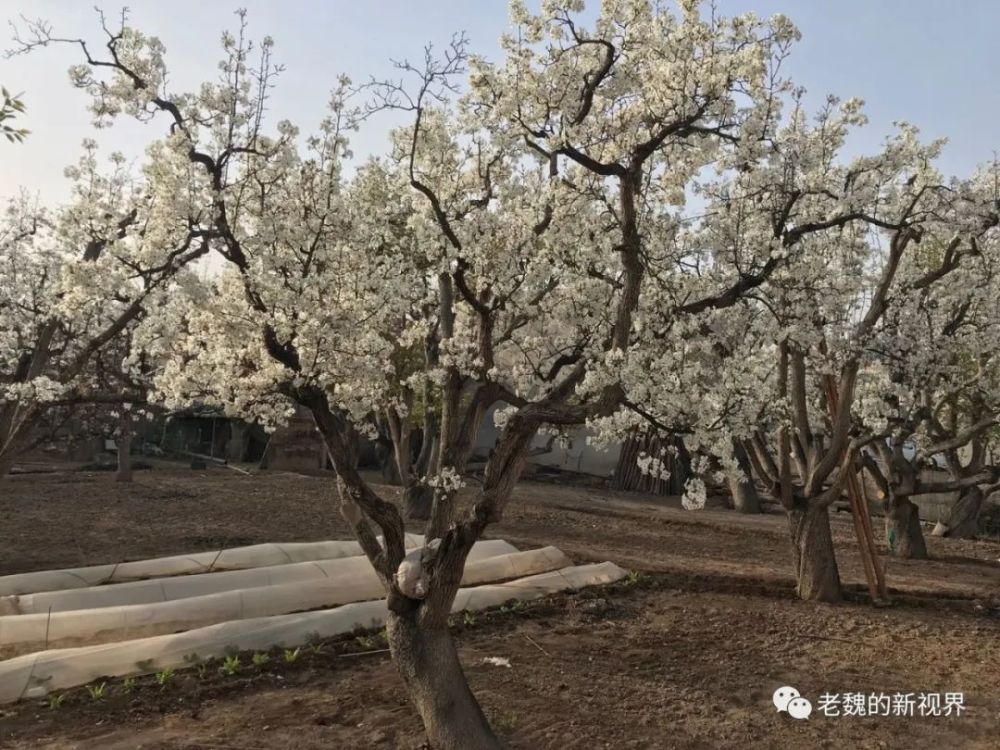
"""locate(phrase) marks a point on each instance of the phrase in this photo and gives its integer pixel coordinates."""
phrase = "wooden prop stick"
(874, 573)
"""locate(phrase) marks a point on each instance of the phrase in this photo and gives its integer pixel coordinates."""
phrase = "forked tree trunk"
(124, 473)
(418, 499)
(428, 663)
(962, 521)
(816, 574)
(903, 533)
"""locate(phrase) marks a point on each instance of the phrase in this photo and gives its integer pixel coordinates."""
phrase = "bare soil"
(687, 657)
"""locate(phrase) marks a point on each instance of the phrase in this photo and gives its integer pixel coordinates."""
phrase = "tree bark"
(124, 473)
(816, 573)
(6, 464)
(13, 441)
(418, 499)
(962, 521)
(428, 663)
(903, 533)
(745, 497)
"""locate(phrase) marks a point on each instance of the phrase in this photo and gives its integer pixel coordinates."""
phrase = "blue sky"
(931, 62)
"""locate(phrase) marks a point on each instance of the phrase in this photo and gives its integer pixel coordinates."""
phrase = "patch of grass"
(505, 721)
(634, 578)
(56, 700)
(259, 659)
(515, 605)
(291, 656)
(96, 692)
(128, 685)
(230, 666)
(164, 676)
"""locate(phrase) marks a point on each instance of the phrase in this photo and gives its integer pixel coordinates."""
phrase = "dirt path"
(686, 659)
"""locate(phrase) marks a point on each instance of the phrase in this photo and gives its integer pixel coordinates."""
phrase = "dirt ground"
(686, 657)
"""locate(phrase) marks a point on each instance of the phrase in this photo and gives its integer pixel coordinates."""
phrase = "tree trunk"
(12, 440)
(124, 447)
(903, 534)
(6, 464)
(428, 662)
(816, 574)
(745, 497)
(418, 499)
(962, 521)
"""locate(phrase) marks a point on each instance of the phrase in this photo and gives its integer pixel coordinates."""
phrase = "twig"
(211, 567)
(830, 638)
(532, 642)
(363, 653)
(111, 575)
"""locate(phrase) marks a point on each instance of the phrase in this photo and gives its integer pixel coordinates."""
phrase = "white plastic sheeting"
(185, 586)
(235, 558)
(35, 675)
(25, 633)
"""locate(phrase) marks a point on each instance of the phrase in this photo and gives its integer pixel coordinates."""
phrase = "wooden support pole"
(874, 571)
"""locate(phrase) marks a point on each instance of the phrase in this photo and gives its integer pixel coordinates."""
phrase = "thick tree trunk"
(124, 448)
(816, 574)
(428, 662)
(962, 521)
(745, 497)
(12, 439)
(903, 534)
(6, 464)
(418, 499)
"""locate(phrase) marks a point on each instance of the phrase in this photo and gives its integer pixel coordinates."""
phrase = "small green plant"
(56, 699)
(634, 578)
(230, 666)
(128, 685)
(469, 620)
(259, 659)
(505, 722)
(383, 636)
(164, 676)
(96, 691)
(202, 670)
(291, 656)
(366, 642)
(317, 648)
